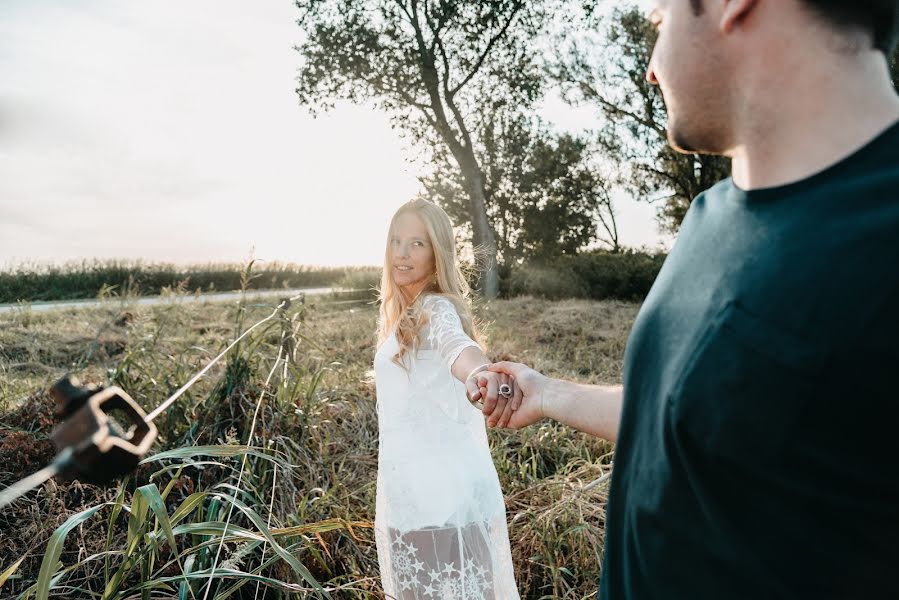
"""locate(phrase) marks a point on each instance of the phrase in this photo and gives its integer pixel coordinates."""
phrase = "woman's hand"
(531, 386)
(487, 387)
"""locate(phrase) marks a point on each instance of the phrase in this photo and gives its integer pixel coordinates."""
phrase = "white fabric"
(440, 520)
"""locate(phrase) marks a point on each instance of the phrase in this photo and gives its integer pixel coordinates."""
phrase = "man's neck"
(818, 114)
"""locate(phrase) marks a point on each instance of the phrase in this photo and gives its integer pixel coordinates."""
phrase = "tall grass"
(300, 485)
(87, 279)
(159, 532)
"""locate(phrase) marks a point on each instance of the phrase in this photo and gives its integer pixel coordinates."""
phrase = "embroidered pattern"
(442, 580)
(445, 332)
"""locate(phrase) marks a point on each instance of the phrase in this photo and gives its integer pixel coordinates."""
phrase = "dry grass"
(325, 424)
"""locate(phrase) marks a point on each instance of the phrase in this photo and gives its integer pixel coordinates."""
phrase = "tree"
(433, 66)
(611, 74)
(545, 196)
(609, 71)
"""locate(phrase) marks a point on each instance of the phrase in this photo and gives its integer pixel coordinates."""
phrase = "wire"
(23, 486)
(64, 458)
(596, 482)
(159, 409)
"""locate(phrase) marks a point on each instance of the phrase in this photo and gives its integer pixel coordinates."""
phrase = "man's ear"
(735, 13)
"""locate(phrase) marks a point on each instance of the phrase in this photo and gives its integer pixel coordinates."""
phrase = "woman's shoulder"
(434, 303)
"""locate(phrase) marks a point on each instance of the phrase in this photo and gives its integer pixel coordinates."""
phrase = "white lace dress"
(440, 519)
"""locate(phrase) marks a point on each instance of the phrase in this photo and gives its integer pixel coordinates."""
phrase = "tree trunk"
(482, 233)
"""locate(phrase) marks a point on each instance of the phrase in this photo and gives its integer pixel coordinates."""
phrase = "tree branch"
(678, 183)
(490, 44)
(430, 78)
(402, 6)
(448, 97)
(589, 91)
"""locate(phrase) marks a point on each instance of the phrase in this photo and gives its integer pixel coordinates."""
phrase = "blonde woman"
(440, 522)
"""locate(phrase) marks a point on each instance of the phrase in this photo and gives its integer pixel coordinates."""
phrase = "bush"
(599, 275)
(543, 281)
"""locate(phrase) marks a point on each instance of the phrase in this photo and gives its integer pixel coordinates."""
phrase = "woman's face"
(411, 254)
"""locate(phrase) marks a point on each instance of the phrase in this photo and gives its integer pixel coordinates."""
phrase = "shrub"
(544, 281)
(599, 275)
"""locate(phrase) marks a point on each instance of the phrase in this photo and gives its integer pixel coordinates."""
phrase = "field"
(91, 278)
(303, 497)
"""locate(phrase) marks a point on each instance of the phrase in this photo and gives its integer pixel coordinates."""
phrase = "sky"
(170, 131)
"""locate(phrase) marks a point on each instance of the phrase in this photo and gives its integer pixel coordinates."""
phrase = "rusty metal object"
(105, 428)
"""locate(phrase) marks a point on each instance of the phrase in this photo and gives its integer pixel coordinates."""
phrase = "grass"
(315, 445)
(88, 279)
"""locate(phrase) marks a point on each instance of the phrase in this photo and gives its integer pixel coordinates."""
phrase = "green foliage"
(607, 69)
(90, 279)
(544, 281)
(544, 193)
(425, 64)
(436, 68)
(599, 275)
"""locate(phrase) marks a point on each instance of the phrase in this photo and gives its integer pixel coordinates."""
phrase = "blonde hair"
(406, 320)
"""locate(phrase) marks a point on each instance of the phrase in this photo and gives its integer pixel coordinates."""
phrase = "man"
(755, 427)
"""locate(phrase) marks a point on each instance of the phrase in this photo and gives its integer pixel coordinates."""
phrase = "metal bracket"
(105, 428)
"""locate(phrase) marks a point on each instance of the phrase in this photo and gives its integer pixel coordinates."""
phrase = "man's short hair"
(880, 18)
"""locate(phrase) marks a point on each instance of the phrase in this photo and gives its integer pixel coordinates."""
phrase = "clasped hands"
(516, 405)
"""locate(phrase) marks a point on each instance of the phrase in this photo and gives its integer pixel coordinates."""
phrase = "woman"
(440, 523)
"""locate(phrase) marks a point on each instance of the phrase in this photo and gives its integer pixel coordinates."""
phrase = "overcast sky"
(169, 131)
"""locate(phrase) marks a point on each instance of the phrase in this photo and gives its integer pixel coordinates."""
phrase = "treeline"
(90, 279)
(598, 274)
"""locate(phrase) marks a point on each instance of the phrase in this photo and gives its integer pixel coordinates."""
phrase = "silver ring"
(505, 391)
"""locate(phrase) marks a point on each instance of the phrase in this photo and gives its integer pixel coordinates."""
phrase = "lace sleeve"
(445, 333)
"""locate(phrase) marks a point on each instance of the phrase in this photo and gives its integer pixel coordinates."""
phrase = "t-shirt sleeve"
(445, 332)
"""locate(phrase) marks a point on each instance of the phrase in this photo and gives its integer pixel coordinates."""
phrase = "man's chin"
(681, 142)
(685, 143)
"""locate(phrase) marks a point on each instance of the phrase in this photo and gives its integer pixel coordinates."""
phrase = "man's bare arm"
(593, 409)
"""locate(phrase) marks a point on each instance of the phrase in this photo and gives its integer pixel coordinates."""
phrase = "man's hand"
(528, 408)
(484, 387)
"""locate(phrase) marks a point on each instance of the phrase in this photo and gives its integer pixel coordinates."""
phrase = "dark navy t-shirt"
(758, 454)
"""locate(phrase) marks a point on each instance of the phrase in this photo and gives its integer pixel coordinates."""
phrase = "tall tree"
(608, 70)
(433, 66)
(545, 195)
